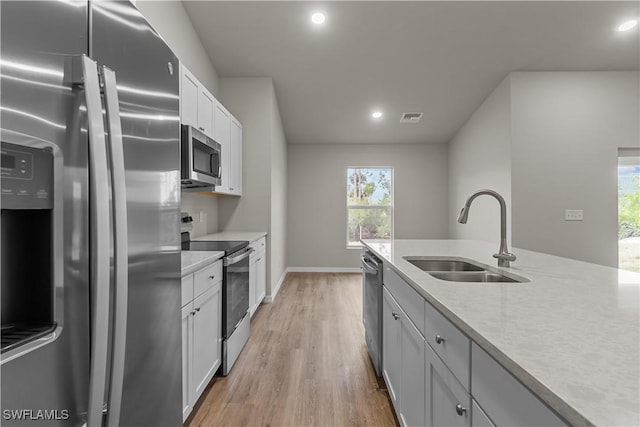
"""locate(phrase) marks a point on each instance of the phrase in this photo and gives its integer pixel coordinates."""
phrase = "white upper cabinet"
(235, 158)
(199, 108)
(222, 124)
(196, 103)
(188, 97)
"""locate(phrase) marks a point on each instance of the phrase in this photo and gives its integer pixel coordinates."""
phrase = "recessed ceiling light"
(628, 25)
(376, 114)
(318, 18)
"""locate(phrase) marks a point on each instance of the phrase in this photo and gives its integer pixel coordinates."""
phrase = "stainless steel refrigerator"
(90, 254)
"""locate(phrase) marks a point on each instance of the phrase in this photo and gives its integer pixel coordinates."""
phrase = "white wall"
(172, 22)
(480, 157)
(567, 128)
(278, 193)
(253, 102)
(317, 223)
(564, 130)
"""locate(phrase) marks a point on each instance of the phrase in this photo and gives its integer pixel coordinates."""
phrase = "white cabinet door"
(222, 135)
(391, 347)
(206, 337)
(187, 352)
(205, 111)
(412, 394)
(235, 163)
(446, 402)
(189, 89)
(252, 282)
(261, 278)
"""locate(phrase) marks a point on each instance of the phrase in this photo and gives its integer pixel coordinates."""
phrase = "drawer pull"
(212, 277)
(461, 410)
(439, 339)
(395, 315)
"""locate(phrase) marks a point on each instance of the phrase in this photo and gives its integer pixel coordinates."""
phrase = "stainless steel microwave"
(201, 157)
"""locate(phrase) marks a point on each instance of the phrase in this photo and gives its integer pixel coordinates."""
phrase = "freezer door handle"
(121, 244)
(99, 227)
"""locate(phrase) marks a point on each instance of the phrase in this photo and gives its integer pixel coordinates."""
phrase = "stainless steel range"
(235, 294)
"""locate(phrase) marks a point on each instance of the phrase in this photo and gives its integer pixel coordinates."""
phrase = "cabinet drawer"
(410, 300)
(503, 398)
(206, 278)
(187, 289)
(448, 342)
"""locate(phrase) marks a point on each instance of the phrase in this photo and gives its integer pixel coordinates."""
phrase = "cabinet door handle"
(258, 259)
(198, 309)
(395, 315)
(193, 313)
(461, 410)
(440, 339)
(212, 277)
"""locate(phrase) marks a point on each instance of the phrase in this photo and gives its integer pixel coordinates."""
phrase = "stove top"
(228, 247)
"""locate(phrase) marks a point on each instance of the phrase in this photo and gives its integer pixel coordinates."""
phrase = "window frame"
(391, 206)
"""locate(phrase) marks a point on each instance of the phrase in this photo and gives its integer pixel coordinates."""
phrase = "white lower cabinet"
(446, 379)
(201, 332)
(257, 274)
(391, 347)
(446, 401)
(403, 362)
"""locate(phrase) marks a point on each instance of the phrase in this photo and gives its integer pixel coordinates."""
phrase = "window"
(629, 209)
(369, 204)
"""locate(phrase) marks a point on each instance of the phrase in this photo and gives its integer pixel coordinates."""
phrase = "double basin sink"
(461, 270)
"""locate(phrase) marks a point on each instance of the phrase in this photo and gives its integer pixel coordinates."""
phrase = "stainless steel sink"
(454, 269)
(474, 276)
(442, 264)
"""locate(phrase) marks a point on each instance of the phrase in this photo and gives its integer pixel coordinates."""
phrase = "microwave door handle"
(121, 257)
(85, 73)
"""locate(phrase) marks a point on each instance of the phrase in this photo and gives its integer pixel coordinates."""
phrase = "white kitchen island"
(571, 334)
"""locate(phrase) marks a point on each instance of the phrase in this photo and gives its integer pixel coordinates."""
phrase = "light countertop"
(195, 260)
(571, 334)
(250, 236)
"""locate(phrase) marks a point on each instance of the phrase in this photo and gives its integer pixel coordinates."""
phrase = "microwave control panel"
(26, 174)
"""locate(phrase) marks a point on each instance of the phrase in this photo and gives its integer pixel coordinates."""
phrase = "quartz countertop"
(250, 236)
(571, 334)
(195, 260)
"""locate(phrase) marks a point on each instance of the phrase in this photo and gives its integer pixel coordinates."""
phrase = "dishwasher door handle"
(368, 267)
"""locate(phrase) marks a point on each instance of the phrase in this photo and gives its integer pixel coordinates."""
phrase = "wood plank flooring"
(305, 364)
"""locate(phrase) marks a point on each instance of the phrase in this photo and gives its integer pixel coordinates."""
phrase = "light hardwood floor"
(306, 363)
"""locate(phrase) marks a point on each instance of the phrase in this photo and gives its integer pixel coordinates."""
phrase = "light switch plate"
(201, 215)
(573, 215)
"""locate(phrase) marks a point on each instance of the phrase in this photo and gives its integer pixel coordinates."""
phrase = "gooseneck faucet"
(504, 256)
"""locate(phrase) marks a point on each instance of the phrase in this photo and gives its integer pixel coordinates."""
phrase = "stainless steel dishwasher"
(372, 307)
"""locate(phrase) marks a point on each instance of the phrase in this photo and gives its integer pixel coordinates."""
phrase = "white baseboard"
(324, 269)
(274, 292)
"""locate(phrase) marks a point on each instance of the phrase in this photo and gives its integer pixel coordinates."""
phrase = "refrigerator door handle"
(99, 229)
(121, 244)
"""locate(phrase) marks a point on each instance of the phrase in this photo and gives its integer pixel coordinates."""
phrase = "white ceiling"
(440, 58)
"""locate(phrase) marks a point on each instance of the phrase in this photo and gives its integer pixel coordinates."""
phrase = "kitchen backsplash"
(195, 203)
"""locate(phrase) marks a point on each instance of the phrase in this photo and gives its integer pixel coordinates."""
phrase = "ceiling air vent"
(410, 117)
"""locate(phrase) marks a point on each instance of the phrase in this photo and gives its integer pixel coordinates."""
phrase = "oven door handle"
(235, 259)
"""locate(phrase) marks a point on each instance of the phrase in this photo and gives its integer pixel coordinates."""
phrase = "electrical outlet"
(573, 215)
(201, 217)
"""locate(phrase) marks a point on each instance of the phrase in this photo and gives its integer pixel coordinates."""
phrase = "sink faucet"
(504, 256)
